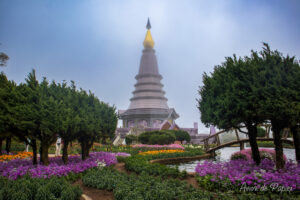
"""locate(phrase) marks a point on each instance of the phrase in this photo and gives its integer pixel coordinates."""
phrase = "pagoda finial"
(148, 42)
(148, 24)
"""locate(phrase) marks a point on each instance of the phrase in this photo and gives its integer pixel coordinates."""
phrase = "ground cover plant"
(38, 189)
(139, 165)
(21, 167)
(148, 187)
(235, 174)
(247, 155)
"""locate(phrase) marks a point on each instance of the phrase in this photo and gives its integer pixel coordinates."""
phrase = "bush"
(261, 132)
(129, 139)
(38, 189)
(181, 135)
(157, 137)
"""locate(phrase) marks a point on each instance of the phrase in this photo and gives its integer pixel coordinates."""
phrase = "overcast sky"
(98, 44)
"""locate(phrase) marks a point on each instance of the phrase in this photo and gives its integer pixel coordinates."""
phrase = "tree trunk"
(8, 145)
(65, 152)
(34, 150)
(44, 154)
(41, 152)
(252, 132)
(1, 140)
(83, 147)
(278, 145)
(296, 137)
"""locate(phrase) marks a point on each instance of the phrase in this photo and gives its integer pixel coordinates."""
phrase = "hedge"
(157, 137)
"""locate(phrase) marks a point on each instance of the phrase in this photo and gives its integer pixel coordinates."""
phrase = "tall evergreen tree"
(281, 96)
(229, 97)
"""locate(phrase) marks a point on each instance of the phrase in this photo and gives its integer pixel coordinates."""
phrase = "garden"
(35, 114)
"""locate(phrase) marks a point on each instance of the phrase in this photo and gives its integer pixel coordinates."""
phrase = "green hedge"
(181, 135)
(129, 139)
(157, 137)
(38, 189)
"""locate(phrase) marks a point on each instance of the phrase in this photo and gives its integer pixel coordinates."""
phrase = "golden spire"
(148, 42)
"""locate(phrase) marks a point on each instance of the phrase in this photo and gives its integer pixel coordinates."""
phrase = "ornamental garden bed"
(143, 175)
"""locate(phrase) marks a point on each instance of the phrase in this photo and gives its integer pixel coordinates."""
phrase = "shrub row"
(161, 137)
(157, 137)
(38, 189)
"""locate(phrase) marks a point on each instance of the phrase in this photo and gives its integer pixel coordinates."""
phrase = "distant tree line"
(41, 111)
(262, 88)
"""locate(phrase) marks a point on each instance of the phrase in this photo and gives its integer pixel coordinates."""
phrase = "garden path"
(93, 193)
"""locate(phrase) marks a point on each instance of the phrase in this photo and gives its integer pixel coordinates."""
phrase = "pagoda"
(148, 107)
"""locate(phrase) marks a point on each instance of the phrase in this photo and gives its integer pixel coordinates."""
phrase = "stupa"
(148, 107)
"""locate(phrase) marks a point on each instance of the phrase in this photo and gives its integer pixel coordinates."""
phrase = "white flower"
(100, 164)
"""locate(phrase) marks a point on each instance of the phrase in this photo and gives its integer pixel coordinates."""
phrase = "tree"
(230, 97)
(7, 99)
(67, 114)
(3, 59)
(98, 120)
(281, 97)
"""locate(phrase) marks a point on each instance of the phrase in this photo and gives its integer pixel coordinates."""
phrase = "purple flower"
(243, 171)
(18, 168)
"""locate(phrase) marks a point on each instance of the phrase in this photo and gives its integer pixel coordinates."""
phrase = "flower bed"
(246, 154)
(18, 167)
(19, 155)
(228, 175)
(161, 151)
(156, 146)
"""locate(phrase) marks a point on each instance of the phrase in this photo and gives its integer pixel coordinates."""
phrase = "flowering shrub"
(19, 155)
(244, 172)
(18, 168)
(246, 154)
(161, 151)
(156, 146)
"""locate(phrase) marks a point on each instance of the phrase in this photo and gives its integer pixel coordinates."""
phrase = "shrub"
(38, 189)
(261, 132)
(129, 139)
(238, 156)
(157, 137)
(181, 135)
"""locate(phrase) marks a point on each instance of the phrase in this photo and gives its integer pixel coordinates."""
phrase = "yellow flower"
(161, 151)
(19, 155)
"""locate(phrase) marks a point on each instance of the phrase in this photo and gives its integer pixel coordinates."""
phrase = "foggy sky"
(98, 44)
